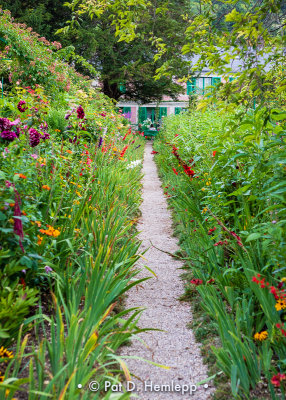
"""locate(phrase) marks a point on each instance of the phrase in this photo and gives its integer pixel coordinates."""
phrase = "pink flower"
(34, 156)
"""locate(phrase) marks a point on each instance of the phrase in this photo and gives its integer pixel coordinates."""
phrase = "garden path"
(175, 346)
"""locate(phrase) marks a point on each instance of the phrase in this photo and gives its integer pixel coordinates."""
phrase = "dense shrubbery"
(225, 177)
(69, 199)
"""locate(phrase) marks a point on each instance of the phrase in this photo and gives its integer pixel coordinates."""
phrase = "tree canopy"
(120, 39)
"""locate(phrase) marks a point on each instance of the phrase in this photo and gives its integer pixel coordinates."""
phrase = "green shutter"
(215, 81)
(142, 114)
(191, 86)
(178, 110)
(162, 112)
(126, 110)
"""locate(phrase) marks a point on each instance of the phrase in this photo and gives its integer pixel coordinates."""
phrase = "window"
(179, 110)
(191, 86)
(126, 111)
(216, 81)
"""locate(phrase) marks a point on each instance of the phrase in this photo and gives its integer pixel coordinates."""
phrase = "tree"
(119, 38)
(252, 32)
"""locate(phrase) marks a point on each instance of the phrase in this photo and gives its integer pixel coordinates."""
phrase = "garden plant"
(70, 191)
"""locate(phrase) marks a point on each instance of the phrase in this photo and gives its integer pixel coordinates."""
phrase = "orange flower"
(69, 151)
(50, 231)
(24, 213)
(40, 239)
(11, 204)
(46, 187)
(38, 223)
(21, 175)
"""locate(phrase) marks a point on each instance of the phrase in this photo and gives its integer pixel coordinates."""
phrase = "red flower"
(214, 153)
(211, 231)
(154, 152)
(221, 243)
(176, 172)
(197, 282)
(276, 379)
(123, 151)
(176, 135)
(188, 170)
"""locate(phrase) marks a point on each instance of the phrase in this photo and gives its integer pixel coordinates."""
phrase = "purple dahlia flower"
(4, 124)
(8, 135)
(45, 135)
(35, 137)
(20, 106)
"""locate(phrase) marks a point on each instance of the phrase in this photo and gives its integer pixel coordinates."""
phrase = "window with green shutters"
(191, 86)
(162, 112)
(215, 81)
(126, 110)
(178, 110)
(142, 114)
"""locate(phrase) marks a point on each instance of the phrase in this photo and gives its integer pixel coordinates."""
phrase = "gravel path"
(175, 346)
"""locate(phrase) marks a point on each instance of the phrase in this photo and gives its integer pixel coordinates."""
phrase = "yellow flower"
(42, 161)
(283, 279)
(203, 189)
(4, 353)
(261, 336)
(78, 193)
(40, 239)
(205, 210)
(280, 305)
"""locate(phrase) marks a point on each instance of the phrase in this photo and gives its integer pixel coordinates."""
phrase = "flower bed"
(225, 178)
(70, 192)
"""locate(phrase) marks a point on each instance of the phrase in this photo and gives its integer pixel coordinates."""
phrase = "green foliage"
(229, 199)
(69, 200)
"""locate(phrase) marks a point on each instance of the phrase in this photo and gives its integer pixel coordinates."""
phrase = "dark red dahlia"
(80, 112)
(8, 135)
(34, 137)
(21, 107)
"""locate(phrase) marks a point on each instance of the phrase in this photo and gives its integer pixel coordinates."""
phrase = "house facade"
(138, 113)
